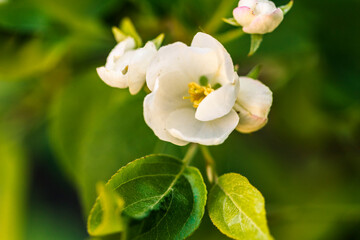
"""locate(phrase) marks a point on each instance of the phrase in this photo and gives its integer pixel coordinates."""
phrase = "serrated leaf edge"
(205, 199)
(267, 236)
(113, 176)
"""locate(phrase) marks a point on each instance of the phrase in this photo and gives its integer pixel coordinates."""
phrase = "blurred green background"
(62, 129)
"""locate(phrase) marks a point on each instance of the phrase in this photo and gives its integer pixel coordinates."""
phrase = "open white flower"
(126, 66)
(194, 92)
(253, 105)
(258, 16)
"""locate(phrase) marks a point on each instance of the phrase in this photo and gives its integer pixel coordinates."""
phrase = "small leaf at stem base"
(109, 220)
(256, 40)
(231, 21)
(158, 40)
(128, 29)
(286, 8)
(118, 34)
(254, 72)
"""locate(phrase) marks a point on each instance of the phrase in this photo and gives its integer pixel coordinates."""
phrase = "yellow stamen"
(198, 93)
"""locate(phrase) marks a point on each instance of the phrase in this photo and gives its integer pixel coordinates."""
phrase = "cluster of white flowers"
(196, 96)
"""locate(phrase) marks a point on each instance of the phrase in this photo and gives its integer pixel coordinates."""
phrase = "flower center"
(198, 93)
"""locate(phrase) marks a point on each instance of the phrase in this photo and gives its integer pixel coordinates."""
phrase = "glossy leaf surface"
(164, 197)
(237, 208)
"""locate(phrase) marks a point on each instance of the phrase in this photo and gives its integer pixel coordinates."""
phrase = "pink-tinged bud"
(243, 15)
(258, 16)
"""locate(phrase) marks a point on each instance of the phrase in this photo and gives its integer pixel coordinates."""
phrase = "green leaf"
(237, 208)
(34, 57)
(256, 40)
(13, 184)
(116, 236)
(165, 198)
(108, 219)
(75, 16)
(22, 16)
(231, 21)
(127, 27)
(286, 8)
(222, 8)
(230, 35)
(87, 136)
(158, 40)
(254, 72)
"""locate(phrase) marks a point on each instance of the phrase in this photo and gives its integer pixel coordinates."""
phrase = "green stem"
(124, 234)
(230, 35)
(190, 153)
(215, 22)
(210, 164)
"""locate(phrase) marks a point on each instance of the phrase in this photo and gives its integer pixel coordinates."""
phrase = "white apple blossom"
(126, 66)
(253, 104)
(185, 104)
(258, 16)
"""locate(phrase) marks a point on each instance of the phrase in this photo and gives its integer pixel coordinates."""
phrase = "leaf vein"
(242, 212)
(144, 176)
(156, 226)
(141, 200)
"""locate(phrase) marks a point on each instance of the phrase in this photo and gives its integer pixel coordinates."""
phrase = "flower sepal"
(231, 21)
(286, 8)
(158, 40)
(127, 29)
(256, 40)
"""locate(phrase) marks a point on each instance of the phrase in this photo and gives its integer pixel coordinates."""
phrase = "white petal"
(171, 117)
(111, 73)
(265, 23)
(264, 8)
(112, 78)
(218, 103)
(155, 119)
(183, 125)
(243, 15)
(249, 123)
(172, 88)
(177, 57)
(167, 97)
(247, 3)
(226, 66)
(253, 104)
(138, 66)
(118, 51)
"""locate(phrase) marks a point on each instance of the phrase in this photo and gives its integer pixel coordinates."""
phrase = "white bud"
(258, 16)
